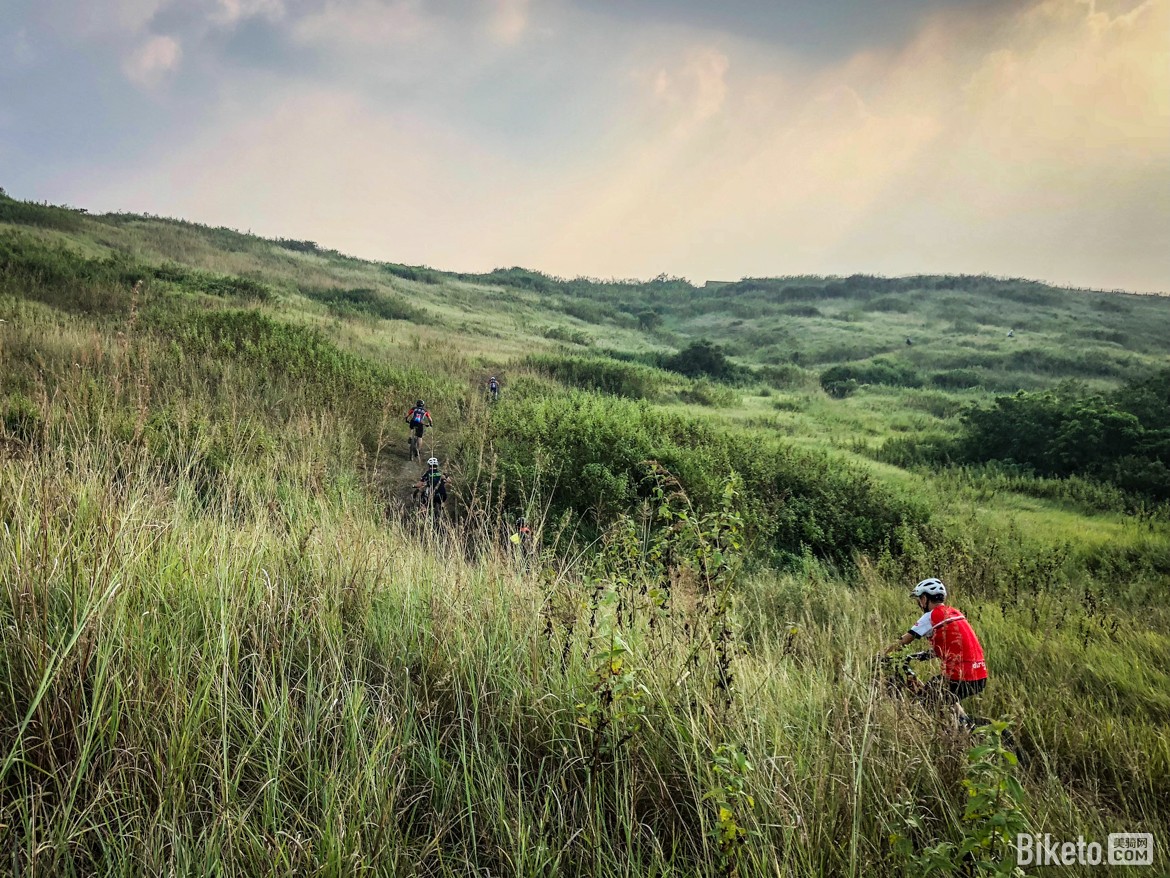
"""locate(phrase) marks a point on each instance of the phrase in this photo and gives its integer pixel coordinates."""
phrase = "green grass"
(224, 649)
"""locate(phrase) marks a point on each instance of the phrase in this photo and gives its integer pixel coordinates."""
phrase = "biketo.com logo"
(1121, 849)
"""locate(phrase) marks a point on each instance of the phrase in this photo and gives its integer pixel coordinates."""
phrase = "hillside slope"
(227, 648)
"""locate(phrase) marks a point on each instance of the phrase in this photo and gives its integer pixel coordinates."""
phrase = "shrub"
(888, 305)
(367, 302)
(222, 285)
(630, 380)
(422, 274)
(28, 213)
(63, 278)
(705, 359)
(785, 376)
(591, 455)
(843, 380)
(800, 310)
(957, 379)
(567, 334)
(1124, 439)
(708, 393)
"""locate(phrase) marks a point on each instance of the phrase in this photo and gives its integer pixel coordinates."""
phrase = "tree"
(703, 358)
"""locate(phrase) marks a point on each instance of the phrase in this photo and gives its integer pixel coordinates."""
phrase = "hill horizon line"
(311, 246)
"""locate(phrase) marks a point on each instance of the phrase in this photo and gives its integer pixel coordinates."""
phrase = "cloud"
(1039, 147)
(509, 19)
(696, 88)
(229, 12)
(1027, 138)
(153, 61)
(363, 23)
(126, 15)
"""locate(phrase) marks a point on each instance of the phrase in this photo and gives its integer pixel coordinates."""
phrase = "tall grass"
(226, 649)
(308, 688)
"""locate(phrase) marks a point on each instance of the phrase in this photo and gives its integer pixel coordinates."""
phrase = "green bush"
(785, 376)
(295, 362)
(843, 380)
(888, 305)
(957, 379)
(705, 359)
(567, 334)
(422, 274)
(630, 380)
(223, 285)
(368, 303)
(588, 455)
(63, 278)
(28, 213)
(1123, 439)
(708, 393)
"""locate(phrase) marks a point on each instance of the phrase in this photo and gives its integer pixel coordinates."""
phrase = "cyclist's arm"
(905, 640)
(922, 628)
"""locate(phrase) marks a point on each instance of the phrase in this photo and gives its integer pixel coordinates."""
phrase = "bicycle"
(901, 681)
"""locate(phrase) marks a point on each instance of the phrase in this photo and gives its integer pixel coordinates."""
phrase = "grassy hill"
(227, 646)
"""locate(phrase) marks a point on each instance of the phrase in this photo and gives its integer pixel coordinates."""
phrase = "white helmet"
(932, 588)
(434, 461)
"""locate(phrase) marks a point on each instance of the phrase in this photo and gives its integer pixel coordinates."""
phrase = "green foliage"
(61, 277)
(422, 274)
(840, 381)
(567, 334)
(957, 379)
(1123, 439)
(732, 802)
(992, 817)
(298, 246)
(708, 393)
(649, 320)
(590, 453)
(616, 704)
(21, 419)
(367, 302)
(296, 362)
(888, 305)
(224, 286)
(602, 374)
(705, 359)
(45, 216)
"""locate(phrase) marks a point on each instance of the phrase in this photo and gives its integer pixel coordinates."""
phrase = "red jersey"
(954, 643)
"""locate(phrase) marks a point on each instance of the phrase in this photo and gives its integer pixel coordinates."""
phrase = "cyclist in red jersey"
(953, 641)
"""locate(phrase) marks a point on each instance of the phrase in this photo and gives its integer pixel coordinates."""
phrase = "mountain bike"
(428, 503)
(898, 678)
(900, 681)
(415, 443)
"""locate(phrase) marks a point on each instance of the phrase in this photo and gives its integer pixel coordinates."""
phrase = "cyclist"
(522, 538)
(494, 388)
(418, 418)
(431, 489)
(953, 642)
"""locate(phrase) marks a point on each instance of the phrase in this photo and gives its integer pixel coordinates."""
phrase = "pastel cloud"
(153, 60)
(1029, 139)
(509, 19)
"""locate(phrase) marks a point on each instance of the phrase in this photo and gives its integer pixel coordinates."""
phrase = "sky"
(616, 138)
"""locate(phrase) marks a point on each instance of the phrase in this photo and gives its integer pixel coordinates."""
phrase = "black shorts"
(418, 430)
(940, 688)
